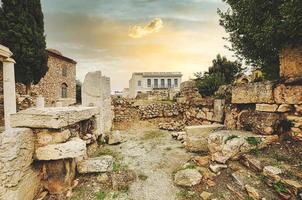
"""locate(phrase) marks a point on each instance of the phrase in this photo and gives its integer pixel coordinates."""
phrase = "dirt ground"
(154, 157)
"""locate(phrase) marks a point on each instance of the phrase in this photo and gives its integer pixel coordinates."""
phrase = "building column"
(9, 90)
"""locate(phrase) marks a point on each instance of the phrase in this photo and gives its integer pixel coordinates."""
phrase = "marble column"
(9, 90)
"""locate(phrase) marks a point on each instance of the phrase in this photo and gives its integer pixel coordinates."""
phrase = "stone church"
(59, 83)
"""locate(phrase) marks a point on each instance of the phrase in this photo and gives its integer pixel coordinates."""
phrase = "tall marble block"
(96, 91)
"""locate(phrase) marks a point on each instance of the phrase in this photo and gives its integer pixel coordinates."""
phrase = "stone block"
(71, 149)
(259, 92)
(187, 177)
(291, 62)
(96, 91)
(16, 152)
(95, 165)
(219, 110)
(27, 188)
(263, 123)
(230, 145)
(114, 137)
(58, 175)
(285, 108)
(197, 136)
(46, 137)
(290, 94)
(51, 117)
(267, 107)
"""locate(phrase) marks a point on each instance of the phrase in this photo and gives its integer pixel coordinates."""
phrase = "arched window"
(64, 90)
(64, 71)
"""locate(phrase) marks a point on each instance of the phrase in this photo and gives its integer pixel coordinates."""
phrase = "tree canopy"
(221, 72)
(259, 29)
(22, 30)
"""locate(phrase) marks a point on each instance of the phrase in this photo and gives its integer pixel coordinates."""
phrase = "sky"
(120, 37)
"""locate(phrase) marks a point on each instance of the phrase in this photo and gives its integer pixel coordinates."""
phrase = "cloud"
(153, 27)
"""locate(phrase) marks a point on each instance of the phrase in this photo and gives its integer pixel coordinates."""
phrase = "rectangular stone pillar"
(96, 91)
(9, 90)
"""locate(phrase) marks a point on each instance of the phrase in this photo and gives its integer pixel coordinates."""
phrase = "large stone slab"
(219, 110)
(230, 145)
(16, 152)
(197, 136)
(55, 118)
(291, 62)
(260, 122)
(259, 92)
(95, 165)
(71, 149)
(291, 94)
(267, 107)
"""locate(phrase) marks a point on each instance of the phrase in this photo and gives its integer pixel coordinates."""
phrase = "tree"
(22, 30)
(221, 72)
(258, 30)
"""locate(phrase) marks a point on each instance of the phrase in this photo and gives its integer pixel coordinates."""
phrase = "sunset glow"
(125, 36)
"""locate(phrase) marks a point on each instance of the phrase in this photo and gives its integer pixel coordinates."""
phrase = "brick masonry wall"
(50, 86)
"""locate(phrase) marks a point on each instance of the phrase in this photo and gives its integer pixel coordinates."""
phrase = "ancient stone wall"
(54, 137)
(266, 108)
(291, 62)
(1, 96)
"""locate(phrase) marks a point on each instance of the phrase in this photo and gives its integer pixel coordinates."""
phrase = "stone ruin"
(46, 146)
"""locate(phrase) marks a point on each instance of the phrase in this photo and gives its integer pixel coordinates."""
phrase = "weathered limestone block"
(230, 145)
(94, 165)
(46, 137)
(96, 91)
(114, 137)
(58, 175)
(288, 94)
(187, 177)
(259, 92)
(298, 108)
(291, 62)
(71, 149)
(260, 122)
(231, 117)
(51, 117)
(26, 189)
(283, 108)
(267, 107)
(197, 136)
(219, 110)
(16, 152)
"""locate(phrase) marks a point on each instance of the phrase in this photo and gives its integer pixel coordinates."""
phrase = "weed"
(101, 195)
(230, 138)
(255, 151)
(253, 141)
(106, 151)
(142, 177)
(152, 135)
(185, 194)
(279, 187)
(78, 193)
(247, 198)
(118, 166)
(168, 148)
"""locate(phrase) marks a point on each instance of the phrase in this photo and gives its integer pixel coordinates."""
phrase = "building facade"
(59, 83)
(143, 82)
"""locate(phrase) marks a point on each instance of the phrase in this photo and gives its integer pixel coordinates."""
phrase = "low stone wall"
(43, 155)
(266, 108)
(189, 108)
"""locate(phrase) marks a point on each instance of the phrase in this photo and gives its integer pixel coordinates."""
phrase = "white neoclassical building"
(142, 82)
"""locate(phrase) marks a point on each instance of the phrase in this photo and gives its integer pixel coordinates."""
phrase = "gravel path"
(154, 156)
